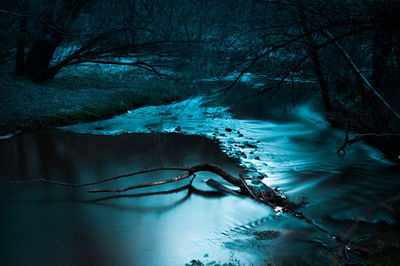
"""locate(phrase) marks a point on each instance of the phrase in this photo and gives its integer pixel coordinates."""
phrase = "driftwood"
(348, 141)
(190, 172)
(267, 196)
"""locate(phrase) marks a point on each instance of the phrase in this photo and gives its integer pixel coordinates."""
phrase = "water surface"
(296, 151)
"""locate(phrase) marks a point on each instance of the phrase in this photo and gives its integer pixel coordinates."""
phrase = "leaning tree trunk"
(39, 58)
(20, 54)
(382, 57)
(312, 49)
(55, 22)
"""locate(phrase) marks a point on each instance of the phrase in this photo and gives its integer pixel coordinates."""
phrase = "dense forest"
(347, 50)
(350, 47)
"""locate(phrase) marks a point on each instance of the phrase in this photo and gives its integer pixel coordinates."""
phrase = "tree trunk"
(382, 46)
(55, 23)
(320, 75)
(312, 49)
(39, 58)
(20, 55)
(385, 50)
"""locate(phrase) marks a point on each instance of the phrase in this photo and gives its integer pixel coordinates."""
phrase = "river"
(289, 144)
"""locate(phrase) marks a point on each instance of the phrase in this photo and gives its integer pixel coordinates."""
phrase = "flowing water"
(294, 150)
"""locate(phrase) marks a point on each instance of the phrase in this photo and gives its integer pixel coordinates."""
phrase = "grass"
(84, 97)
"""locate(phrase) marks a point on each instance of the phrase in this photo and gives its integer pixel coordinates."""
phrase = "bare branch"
(355, 69)
(44, 180)
(143, 65)
(271, 200)
(279, 45)
(175, 179)
(191, 171)
(247, 187)
(310, 54)
(10, 13)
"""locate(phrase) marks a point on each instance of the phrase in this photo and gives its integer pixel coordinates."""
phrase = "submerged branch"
(270, 197)
(190, 171)
(175, 179)
(44, 180)
(348, 142)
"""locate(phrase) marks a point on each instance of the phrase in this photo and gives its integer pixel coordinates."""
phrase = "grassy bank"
(69, 99)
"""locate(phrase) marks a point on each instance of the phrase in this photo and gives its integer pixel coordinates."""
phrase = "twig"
(191, 171)
(12, 13)
(44, 180)
(238, 182)
(175, 179)
(348, 142)
(279, 45)
(247, 187)
(214, 184)
(143, 65)
(146, 194)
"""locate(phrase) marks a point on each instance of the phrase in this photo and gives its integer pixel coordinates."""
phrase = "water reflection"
(183, 222)
(45, 224)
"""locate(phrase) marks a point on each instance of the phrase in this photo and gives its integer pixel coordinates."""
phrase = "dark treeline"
(352, 48)
(34, 30)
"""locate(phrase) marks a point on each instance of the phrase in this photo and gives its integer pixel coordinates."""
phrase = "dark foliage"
(350, 47)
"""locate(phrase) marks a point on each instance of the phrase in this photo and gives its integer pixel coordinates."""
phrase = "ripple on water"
(300, 157)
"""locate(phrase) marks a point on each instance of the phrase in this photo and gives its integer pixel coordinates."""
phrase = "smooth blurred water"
(55, 225)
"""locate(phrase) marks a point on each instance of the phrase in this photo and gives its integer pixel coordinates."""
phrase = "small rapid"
(295, 152)
(298, 156)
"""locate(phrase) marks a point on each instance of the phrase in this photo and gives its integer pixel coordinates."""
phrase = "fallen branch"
(190, 172)
(214, 184)
(175, 179)
(49, 181)
(270, 197)
(348, 142)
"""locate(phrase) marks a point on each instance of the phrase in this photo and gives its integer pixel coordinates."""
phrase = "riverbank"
(291, 154)
(70, 99)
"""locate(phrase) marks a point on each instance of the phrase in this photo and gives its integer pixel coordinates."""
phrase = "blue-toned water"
(51, 225)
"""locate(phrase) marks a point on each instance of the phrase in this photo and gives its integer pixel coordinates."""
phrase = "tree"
(50, 25)
(353, 49)
(97, 32)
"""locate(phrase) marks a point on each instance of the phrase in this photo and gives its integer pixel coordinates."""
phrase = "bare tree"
(351, 48)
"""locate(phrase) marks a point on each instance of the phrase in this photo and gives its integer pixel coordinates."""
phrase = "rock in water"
(266, 235)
